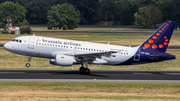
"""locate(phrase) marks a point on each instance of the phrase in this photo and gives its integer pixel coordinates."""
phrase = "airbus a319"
(64, 52)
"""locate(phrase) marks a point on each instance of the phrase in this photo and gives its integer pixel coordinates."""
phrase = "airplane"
(63, 52)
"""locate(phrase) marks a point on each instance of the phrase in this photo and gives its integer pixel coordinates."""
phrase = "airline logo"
(38, 40)
(151, 41)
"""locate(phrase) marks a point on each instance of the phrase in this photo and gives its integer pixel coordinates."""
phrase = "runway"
(95, 76)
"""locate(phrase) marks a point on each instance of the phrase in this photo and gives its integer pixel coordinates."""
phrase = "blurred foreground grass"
(74, 91)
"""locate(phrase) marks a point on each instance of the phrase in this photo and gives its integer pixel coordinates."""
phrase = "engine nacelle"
(62, 60)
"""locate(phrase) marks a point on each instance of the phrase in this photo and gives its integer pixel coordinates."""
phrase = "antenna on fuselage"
(34, 34)
(108, 43)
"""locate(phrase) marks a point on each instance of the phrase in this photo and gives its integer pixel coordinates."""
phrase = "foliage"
(5, 32)
(61, 15)
(148, 15)
(25, 30)
(37, 12)
(16, 11)
(94, 11)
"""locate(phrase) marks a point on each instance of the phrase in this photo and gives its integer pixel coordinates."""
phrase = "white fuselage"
(48, 48)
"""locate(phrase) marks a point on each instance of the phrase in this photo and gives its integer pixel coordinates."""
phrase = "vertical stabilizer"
(161, 38)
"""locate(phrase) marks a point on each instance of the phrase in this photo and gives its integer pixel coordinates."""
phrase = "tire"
(87, 71)
(27, 64)
(81, 69)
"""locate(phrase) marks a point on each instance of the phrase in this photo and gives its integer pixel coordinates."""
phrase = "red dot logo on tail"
(165, 43)
(150, 41)
(154, 37)
(154, 46)
(157, 34)
(146, 45)
(161, 46)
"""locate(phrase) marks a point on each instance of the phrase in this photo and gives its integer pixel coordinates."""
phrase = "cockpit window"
(13, 40)
(16, 40)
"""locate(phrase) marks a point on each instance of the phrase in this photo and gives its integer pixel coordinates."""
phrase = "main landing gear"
(83, 69)
(29, 60)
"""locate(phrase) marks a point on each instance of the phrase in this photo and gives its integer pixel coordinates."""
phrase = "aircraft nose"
(7, 46)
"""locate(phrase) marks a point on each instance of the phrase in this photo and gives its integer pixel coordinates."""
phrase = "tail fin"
(161, 38)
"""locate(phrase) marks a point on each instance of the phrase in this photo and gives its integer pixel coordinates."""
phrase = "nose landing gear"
(29, 60)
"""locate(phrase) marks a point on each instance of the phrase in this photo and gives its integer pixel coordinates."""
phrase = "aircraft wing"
(92, 56)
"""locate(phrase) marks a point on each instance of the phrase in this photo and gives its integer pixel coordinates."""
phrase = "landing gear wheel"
(87, 71)
(27, 65)
(82, 69)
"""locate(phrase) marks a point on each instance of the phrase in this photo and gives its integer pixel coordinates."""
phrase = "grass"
(89, 91)
(119, 35)
(14, 61)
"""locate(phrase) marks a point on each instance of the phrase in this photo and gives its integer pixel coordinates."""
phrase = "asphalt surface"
(1, 45)
(96, 75)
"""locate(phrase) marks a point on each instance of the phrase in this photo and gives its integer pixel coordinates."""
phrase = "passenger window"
(20, 41)
(16, 40)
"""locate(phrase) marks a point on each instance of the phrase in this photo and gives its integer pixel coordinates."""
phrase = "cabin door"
(137, 56)
(31, 43)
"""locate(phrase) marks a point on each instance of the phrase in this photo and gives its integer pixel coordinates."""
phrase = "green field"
(119, 35)
(71, 91)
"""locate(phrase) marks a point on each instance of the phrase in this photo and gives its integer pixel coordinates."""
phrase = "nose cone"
(7, 46)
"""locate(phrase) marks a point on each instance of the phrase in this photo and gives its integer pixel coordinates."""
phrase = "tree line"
(118, 12)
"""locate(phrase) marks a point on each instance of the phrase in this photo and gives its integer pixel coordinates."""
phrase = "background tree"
(148, 15)
(16, 11)
(63, 16)
(37, 11)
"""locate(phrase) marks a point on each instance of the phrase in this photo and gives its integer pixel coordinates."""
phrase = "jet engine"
(62, 60)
